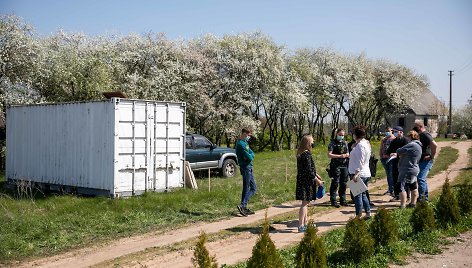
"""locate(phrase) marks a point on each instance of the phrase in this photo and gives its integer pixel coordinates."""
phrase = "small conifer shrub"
(201, 256)
(358, 242)
(311, 252)
(464, 198)
(422, 218)
(447, 209)
(264, 253)
(383, 228)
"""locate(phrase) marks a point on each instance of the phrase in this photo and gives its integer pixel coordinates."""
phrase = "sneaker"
(371, 204)
(248, 211)
(301, 229)
(336, 205)
(242, 210)
(411, 205)
(344, 204)
(395, 199)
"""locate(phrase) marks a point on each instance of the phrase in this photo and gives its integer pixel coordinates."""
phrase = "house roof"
(426, 103)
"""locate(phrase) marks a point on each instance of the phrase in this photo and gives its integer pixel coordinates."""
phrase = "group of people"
(406, 159)
(407, 162)
(346, 162)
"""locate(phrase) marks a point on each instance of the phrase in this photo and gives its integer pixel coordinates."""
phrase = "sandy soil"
(236, 248)
(457, 254)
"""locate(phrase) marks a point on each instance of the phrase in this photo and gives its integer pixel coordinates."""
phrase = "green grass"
(426, 243)
(466, 173)
(447, 156)
(42, 226)
(45, 225)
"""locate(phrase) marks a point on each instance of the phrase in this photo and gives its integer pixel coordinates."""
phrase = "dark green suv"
(203, 154)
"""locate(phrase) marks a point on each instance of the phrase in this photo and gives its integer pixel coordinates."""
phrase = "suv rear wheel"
(229, 168)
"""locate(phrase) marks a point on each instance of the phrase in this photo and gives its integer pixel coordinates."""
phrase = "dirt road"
(453, 255)
(236, 248)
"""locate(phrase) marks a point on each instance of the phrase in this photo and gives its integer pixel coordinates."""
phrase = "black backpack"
(373, 165)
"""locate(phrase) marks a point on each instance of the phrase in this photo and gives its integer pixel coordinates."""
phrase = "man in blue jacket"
(245, 157)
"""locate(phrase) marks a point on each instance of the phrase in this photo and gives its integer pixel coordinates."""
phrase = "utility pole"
(450, 101)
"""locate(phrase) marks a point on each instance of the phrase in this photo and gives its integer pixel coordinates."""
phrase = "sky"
(429, 36)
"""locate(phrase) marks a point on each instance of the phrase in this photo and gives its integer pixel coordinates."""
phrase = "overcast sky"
(429, 36)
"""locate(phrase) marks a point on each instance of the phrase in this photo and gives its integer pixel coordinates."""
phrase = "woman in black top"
(307, 179)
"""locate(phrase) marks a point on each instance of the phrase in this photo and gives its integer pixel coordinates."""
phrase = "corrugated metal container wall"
(119, 147)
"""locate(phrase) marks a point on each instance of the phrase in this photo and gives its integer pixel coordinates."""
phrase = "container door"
(133, 147)
(168, 146)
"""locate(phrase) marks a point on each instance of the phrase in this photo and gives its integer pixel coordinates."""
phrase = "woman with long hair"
(307, 179)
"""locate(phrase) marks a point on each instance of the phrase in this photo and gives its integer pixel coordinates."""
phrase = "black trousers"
(396, 183)
(339, 180)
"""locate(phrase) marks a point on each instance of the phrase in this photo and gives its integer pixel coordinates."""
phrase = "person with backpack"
(338, 152)
(428, 152)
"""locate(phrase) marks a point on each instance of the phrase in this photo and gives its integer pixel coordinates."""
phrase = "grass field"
(45, 225)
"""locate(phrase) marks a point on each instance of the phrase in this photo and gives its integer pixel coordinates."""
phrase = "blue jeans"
(388, 171)
(425, 166)
(249, 185)
(361, 199)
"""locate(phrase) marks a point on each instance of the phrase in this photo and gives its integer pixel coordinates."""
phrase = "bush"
(383, 229)
(464, 198)
(422, 218)
(311, 252)
(447, 209)
(264, 253)
(201, 256)
(358, 242)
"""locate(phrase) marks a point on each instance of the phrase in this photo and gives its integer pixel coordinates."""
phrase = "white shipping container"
(118, 147)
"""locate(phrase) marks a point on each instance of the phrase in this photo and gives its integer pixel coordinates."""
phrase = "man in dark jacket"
(397, 143)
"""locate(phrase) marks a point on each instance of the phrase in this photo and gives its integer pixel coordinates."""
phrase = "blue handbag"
(320, 192)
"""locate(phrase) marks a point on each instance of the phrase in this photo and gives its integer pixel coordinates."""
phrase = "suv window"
(188, 142)
(201, 142)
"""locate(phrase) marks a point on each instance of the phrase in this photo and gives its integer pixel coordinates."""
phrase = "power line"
(465, 66)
